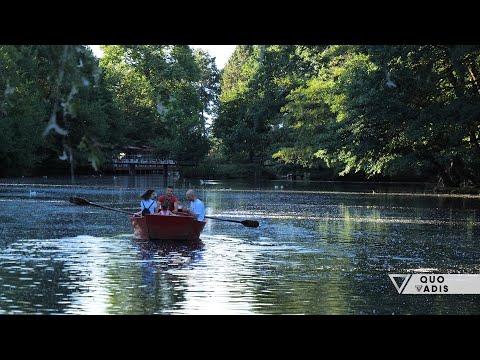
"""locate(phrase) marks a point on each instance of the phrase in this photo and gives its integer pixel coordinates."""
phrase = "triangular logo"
(419, 287)
(403, 282)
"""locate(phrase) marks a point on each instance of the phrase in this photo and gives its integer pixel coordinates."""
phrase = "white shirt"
(197, 207)
(146, 203)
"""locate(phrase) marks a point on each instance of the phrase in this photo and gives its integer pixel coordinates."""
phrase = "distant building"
(140, 160)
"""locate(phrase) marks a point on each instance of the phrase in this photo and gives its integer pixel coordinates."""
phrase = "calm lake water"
(321, 248)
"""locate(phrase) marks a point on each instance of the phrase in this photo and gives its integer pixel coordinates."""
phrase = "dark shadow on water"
(166, 246)
(321, 248)
(158, 287)
(169, 253)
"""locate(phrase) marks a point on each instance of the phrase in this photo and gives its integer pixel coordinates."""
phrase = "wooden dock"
(142, 164)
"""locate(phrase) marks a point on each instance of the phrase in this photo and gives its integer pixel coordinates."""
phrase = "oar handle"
(247, 223)
(215, 218)
(81, 201)
(109, 208)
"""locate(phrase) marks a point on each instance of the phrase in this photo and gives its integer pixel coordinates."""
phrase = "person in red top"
(170, 199)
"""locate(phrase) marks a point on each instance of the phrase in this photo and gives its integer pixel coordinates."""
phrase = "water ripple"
(315, 252)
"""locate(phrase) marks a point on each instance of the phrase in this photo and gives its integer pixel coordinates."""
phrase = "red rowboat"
(161, 227)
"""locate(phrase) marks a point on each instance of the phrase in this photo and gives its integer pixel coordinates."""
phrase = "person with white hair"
(197, 208)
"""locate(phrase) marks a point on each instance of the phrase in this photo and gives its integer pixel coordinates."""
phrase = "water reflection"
(222, 281)
(318, 250)
(151, 286)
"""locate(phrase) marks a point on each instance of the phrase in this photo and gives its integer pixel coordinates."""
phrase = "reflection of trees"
(33, 287)
(342, 267)
(151, 288)
(331, 259)
(471, 219)
(223, 280)
(336, 260)
(94, 276)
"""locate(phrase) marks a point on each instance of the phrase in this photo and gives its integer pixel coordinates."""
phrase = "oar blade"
(250, 223)
(78, 201)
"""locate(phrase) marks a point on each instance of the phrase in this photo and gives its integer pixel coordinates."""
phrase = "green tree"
(22, 112)
(255, 84)
(389, 110)
(155, 87)
(209, 85)
(42, 84)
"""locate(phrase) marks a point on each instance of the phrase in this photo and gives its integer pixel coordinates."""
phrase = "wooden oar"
(82, 202)
(247, 223)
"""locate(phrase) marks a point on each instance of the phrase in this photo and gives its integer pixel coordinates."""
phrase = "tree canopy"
(381, 111)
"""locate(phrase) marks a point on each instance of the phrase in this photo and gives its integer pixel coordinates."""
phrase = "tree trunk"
(454, 66)
(474, 140)
(442, 172)
(453, 80)
(463, 173)
(473, 73)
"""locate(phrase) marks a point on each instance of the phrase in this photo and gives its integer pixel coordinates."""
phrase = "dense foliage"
(397, 112)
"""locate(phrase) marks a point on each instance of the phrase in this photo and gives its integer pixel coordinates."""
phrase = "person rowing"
(170, 199)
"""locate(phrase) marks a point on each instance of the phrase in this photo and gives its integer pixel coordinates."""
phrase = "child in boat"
(165, 210)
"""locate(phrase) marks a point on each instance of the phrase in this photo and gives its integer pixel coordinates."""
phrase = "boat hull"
(160, 227)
